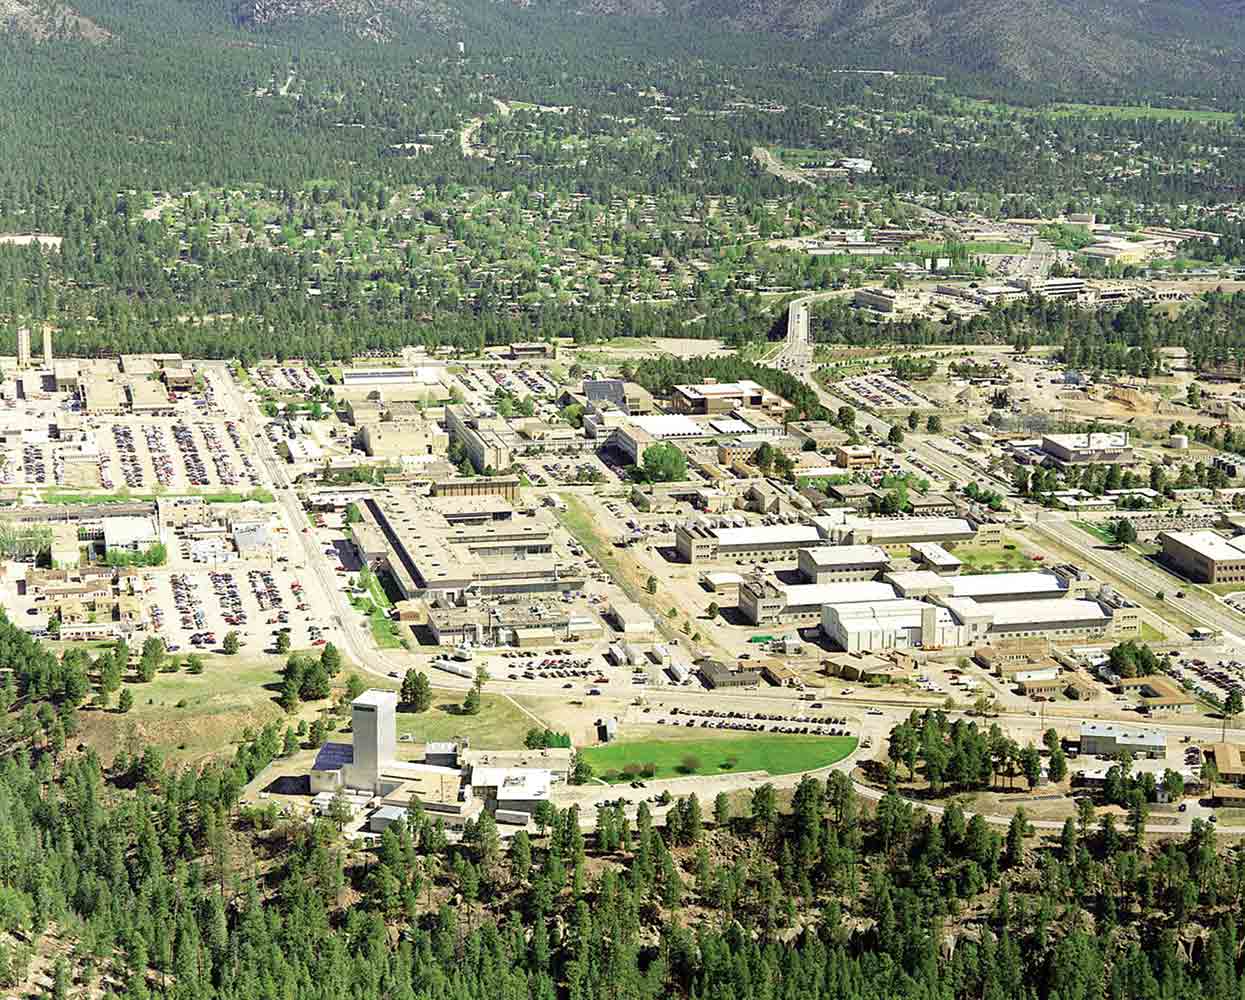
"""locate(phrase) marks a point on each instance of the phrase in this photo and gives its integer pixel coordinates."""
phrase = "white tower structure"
(373, 717)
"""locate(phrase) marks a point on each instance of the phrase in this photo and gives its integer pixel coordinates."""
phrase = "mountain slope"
(1052, 41)
(41, 21)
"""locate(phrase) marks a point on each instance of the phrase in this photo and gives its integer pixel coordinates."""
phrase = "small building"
(1159, 695)
(935, 558)
(1229, 760)
(178, 378)
(855, 456)
(129, 533)
(523, 350)
(866, 668)
(717, 674)
(631, 619)
(780, 675)
(856, 495)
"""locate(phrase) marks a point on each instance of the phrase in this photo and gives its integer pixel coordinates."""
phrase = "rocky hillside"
(1055, 41)
(42, 21)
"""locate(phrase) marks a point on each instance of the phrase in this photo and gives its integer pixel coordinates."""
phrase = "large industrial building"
(874, 626)
(1096, 448)
(698, 542)
(453, 549)
(1204, 556)
(1107, 739)
(839, 563)
(764, 602)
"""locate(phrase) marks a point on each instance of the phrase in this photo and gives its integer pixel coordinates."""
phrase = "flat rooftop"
(375, 698)
(897, 613)
(805, 594)
(1045, 612)
(669, 425)
(767, 534)
(905, 527)
(1096, 441)
(514, 782)
(845, 555)
(719, 389)
(1208, 544)
(990, 584)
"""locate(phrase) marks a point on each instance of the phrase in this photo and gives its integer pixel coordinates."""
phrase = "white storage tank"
(1180, 441)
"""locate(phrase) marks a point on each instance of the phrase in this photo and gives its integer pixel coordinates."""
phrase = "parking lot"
(881, 392)
(1209, 677)
(195, 610)
(794, 724)
(287, 378)
(174, 454)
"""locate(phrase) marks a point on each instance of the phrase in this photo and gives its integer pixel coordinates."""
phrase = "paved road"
(1144, 577)
(773, 165)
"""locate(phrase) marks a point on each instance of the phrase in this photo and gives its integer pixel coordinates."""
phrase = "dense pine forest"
(204, 184)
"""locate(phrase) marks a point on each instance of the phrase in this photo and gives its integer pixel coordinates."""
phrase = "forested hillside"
(138, 882)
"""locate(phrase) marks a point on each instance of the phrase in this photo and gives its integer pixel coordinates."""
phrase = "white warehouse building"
(894, 624)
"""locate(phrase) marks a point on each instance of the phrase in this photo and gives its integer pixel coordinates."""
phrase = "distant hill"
(42, 21)
(376, 20)
(1035, 41)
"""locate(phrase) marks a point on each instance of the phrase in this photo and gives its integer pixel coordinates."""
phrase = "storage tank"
(1180, 441)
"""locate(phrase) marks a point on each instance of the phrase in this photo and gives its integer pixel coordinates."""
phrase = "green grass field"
(978, 247)
(259, 495)
(1137, 111)
(499, 725)
(673, 758)
(1097, 530)
(988, 558)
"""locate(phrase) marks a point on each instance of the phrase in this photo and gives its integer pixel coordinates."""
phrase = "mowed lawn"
(674, 758)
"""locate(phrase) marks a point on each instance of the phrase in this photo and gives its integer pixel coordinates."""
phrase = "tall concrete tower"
(47, 349)
(373, 717)
(23, 348)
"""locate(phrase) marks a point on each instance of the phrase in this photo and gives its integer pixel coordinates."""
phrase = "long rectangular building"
(431, 555)
(697, 542)
(1204, 556)
(899, 534)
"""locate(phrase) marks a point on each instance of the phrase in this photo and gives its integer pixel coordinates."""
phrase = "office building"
(899, 534)
(395, 440)
(488, 441)
(506, 487)
(839, 563)
(433, 549)
(855, 456)
(936, 559)
(718, 397)
(1204, 556)
(858, 496)
(532, 349)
